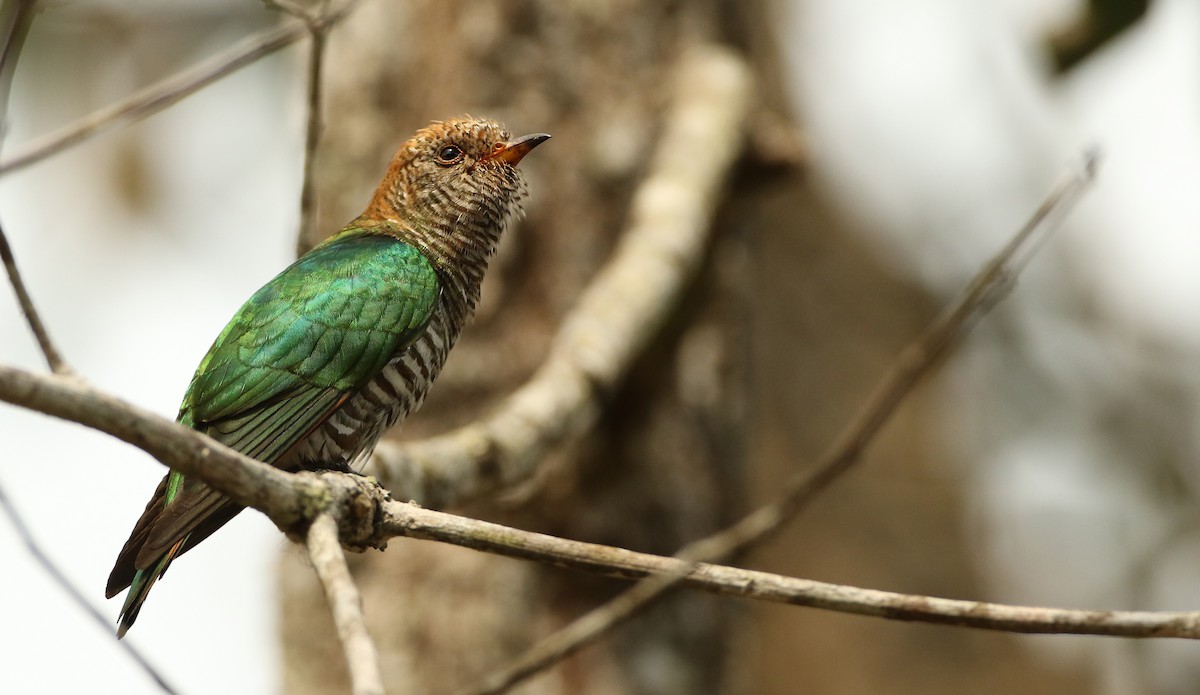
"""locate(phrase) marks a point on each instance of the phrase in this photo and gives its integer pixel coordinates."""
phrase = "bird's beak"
(515, 150)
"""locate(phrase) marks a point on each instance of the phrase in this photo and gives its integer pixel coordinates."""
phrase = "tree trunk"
(665, 464)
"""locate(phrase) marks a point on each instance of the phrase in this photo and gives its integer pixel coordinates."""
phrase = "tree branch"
(53, 358)
(993, 282)
(318, 23)
(245, 480)
(619, 312)
(406, 519)
(345, 603)
(15, 20)
(159, 96)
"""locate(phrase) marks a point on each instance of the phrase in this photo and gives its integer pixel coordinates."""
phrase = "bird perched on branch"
(346, 341)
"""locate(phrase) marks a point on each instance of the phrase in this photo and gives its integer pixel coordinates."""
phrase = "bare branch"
(159, 96)
(35, 550)
(416, 522)
(318, 28)
(57, 364)
(345, 603)
(312, 138)
(989, 286)
(245, 480)
(617, 315)
(295, 9)
(15, 19)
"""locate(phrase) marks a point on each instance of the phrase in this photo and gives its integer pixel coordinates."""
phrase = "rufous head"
(463, 169)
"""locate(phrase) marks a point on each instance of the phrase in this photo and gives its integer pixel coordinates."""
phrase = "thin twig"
(53, 358)
(293, 8)
(35, 550)
(994, 281)
(312, 138)
(159, 96)
(17, 18)
(318, 29)
(416, 522)
(345, 603)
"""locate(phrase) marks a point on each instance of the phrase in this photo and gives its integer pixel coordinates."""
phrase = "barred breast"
(350, 434)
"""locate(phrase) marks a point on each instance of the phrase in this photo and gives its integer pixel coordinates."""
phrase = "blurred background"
(1053, 460)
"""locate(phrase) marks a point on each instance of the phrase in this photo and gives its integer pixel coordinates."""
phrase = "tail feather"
(177, 518)
(125, 570)
(139, 589)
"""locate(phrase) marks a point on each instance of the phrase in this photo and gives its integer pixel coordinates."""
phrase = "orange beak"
(514, 151)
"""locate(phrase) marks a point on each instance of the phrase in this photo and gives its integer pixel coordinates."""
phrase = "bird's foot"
(335, 466)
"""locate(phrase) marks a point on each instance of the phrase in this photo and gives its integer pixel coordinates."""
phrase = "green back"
(320, 329)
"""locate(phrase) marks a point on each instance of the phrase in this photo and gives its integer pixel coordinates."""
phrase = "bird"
(347, 340)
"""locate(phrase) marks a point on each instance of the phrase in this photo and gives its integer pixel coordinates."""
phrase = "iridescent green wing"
(302, 344)
(322, 328)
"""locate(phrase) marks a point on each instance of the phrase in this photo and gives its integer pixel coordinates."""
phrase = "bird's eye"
(449, 154)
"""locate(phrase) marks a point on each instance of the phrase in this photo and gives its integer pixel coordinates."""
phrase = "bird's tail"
(139, 589)
(177, 517)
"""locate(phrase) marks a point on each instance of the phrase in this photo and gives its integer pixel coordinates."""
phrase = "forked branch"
(362, 659)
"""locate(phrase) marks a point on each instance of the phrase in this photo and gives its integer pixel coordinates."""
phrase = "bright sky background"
(134, 301)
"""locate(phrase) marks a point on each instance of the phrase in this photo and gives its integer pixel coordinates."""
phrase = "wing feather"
(291, 356)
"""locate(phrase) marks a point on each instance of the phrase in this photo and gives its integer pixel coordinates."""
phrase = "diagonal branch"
(618, 314)
(345, 603)
(415, 522)
(55, 361)
(159, 96)
(993, 282)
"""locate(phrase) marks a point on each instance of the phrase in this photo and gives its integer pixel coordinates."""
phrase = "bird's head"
(460, 172)
(450, 190)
